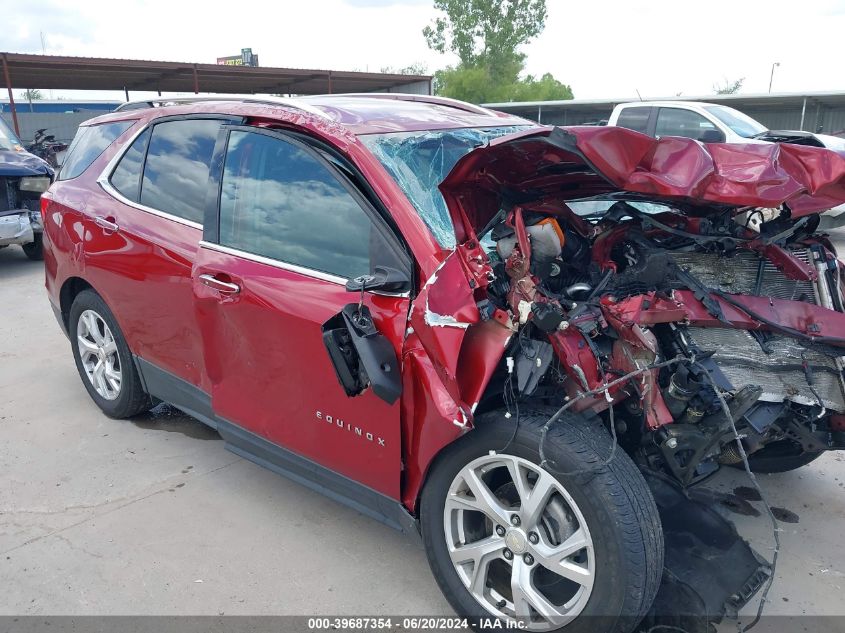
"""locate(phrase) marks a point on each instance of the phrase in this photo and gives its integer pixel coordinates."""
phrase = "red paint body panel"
(650, 308)
(431, 419)
(270, 374)
(143, 271)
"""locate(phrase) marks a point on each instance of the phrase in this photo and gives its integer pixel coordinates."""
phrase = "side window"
(126, 177)
(279, 201)
(176, 172)
(634, 118)
(677, 122)
(89, 142)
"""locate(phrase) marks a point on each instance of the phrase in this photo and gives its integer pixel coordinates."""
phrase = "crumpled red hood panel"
(578, 162)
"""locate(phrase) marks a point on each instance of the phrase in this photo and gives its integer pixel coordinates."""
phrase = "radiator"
(738, 275)
(780, 373)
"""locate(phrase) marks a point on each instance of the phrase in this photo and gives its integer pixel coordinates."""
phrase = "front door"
(289, 231)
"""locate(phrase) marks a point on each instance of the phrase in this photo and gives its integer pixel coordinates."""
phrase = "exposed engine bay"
(593, 299)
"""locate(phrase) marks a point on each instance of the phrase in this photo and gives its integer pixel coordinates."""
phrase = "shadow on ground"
(164, 417)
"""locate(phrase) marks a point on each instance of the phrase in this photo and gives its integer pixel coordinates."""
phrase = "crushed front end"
(23, 178)
(614, 255)
(680, 291)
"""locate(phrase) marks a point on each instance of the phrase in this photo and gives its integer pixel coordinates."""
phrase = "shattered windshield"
(419, 161)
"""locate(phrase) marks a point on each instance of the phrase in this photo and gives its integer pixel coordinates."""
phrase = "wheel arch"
(71, 287)
(436, 458)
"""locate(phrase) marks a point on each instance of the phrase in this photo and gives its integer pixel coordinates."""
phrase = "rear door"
(148, 222)
(289, 230)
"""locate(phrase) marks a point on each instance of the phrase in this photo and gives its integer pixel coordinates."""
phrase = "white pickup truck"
(713, 123)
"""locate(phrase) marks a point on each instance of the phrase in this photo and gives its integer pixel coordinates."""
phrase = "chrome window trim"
(114, 193)
(308, 272)
(105, 184)
(316, 274)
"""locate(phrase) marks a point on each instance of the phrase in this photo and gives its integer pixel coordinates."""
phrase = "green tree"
(417, 68)
(31, 94)
(486, 36)
(546, 88)
(729, 87)
(486, 32)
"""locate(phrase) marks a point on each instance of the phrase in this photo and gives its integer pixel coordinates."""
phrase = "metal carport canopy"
(97, 73)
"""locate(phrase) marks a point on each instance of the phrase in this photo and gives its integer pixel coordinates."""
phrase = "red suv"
(508, 337)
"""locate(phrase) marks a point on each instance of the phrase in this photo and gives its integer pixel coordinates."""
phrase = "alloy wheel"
(98, 353)
(519, 542)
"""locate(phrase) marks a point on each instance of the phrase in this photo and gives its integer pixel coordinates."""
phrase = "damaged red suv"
(526, 343)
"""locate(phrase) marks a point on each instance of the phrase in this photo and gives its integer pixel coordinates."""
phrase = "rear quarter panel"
(143, 271)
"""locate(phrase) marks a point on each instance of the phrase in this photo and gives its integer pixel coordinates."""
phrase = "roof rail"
(402, 96)
(165, 101)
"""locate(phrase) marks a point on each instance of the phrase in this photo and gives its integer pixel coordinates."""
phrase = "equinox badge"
(356, 430)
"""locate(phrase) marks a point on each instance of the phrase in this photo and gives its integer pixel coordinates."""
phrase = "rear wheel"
(510, 539)
(103, 358)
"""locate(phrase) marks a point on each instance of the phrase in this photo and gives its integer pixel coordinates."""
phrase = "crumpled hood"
(23, 164)
(579, 162)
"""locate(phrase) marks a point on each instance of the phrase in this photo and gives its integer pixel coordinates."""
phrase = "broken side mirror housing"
(383, 278)
(361, 355)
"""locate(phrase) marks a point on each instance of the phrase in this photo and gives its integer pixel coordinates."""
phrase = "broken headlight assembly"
(35, 184)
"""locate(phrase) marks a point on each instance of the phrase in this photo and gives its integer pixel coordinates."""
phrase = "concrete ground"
(154, 516)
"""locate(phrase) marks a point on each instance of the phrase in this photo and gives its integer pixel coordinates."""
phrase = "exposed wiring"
(808, 376)
(605, 388)
(726, 410)
(509, 396)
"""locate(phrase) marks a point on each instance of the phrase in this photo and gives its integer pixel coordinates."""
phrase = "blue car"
(23, 178)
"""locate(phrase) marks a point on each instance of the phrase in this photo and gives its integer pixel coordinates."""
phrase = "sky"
(603, 49)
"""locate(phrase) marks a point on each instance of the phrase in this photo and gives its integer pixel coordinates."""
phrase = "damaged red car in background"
(555, 333)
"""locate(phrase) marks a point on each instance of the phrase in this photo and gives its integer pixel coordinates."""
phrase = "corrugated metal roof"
(97, 73)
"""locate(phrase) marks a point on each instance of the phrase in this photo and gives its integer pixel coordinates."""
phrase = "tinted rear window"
(126, 177)
(634, 119)
(88, 144)
(176, 172)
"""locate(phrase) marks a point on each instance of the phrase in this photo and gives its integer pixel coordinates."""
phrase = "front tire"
(35, 249)
(586, 554)
(103, 358)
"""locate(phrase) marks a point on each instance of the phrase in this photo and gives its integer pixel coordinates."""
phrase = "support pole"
(11, 96)
(330, 82)
(196, 81)
(803, 112)
(126, 93)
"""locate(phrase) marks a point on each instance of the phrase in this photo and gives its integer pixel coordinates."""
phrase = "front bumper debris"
(16, 227)
(710, 571)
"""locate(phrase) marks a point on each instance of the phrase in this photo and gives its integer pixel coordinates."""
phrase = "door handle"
(107, 224)
(223, 287)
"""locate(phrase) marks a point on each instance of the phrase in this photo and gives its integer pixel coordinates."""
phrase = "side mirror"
(382, 278)
(712, 136)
